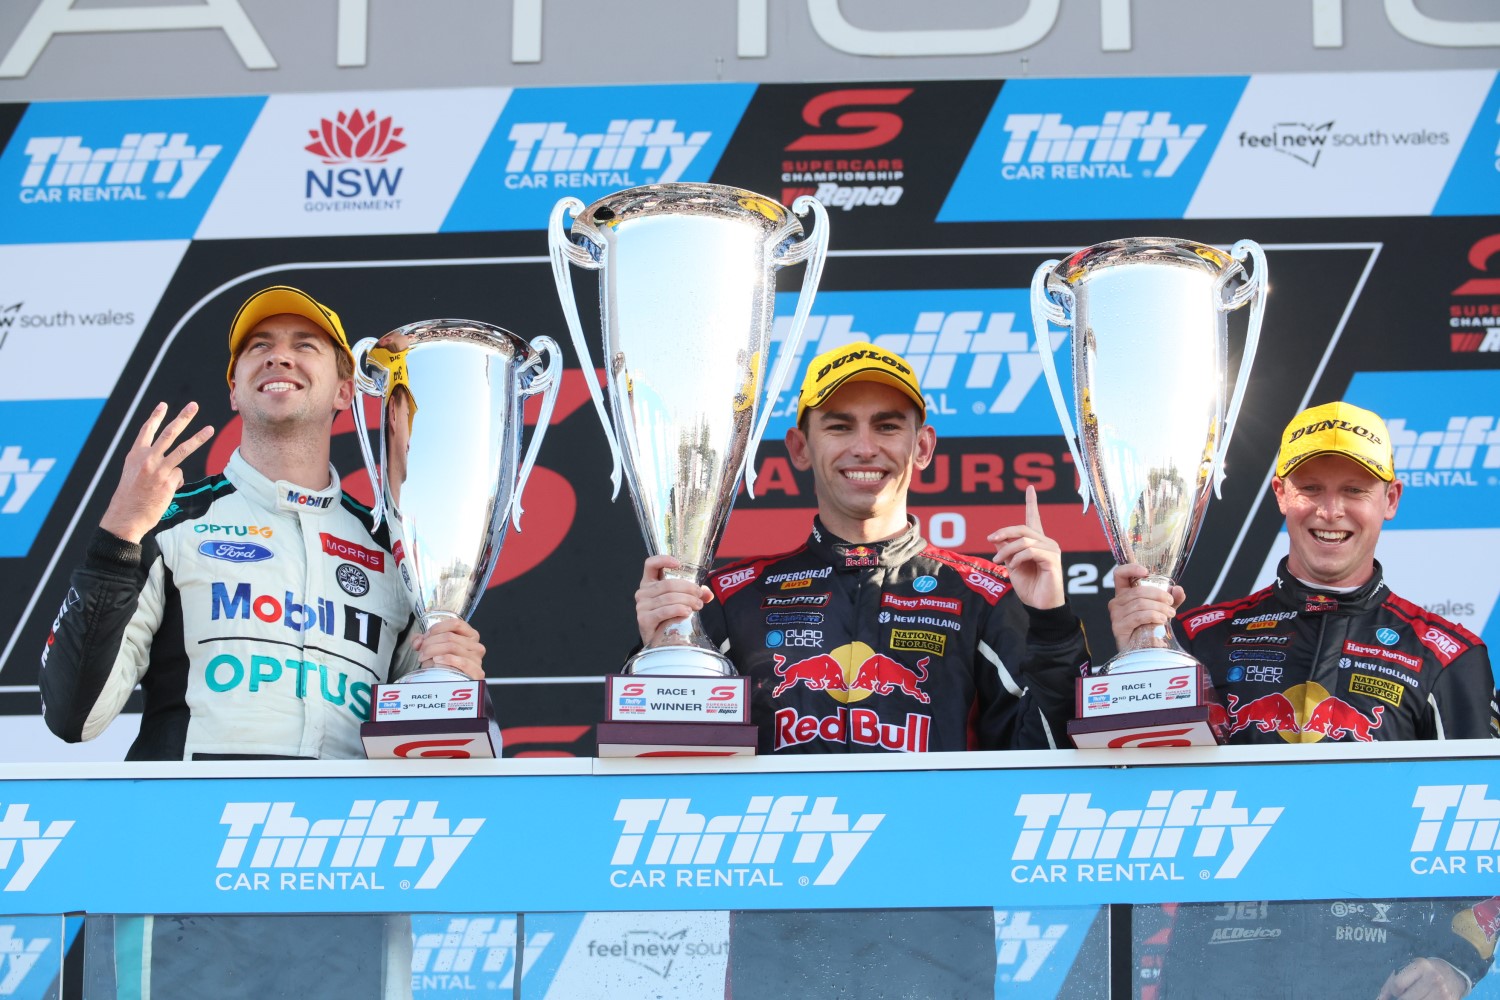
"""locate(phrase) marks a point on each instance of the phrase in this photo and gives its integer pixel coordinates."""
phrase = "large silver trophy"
(687, 299)
(451, 395)
(1149, 319)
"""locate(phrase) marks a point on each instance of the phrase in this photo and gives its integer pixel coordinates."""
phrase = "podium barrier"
(548, 865)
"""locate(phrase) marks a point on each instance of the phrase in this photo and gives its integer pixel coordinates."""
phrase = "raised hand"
(1033, 560)
(662, 600)
(152, 473)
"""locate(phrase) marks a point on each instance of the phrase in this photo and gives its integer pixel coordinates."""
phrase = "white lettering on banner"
(987, 341)
(106, 174)
(25, 476)
(543, 146)
(473, 944)
(1471, 819)
(36, 845)
(1123, 136)
(1080, 832)
(277, 838)
(1024, 943)
(17, 958)
(679, 837)
(1466, 443)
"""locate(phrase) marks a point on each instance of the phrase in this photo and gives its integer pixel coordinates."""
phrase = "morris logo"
(355, 136)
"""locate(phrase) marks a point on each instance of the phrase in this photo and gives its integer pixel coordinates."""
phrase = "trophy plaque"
(1149, 324)
(451, 395)
(686, 299)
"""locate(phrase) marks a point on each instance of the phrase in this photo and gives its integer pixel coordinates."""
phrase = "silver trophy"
(687, 298)
(451, 393)
(1149, 319)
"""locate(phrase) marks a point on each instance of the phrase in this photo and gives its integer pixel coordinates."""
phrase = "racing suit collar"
(854, 557)
(1297, 595)
(280, 495)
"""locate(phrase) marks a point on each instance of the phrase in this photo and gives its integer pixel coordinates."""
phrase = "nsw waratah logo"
(355, 136)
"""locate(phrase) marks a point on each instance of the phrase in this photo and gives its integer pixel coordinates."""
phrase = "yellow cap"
(1337, 429)
(275, 301)
(858, 362)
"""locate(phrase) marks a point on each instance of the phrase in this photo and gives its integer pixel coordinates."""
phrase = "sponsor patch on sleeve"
(1203, 620)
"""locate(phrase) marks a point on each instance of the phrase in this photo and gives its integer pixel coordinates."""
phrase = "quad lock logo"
(1064, 838)
(381, 843)
(663, 843)
(25, 845)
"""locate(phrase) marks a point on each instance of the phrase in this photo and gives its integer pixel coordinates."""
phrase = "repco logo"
(863, 129)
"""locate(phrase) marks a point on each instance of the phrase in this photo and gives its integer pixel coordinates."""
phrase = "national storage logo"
(591, 141)
(971, 350)
(377, 845)
(1092, 149)
(125, 170)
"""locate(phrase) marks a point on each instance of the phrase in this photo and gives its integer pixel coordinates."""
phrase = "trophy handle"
(1252, 290)
(813, 250)
(565, 251)
(1059, 310)
(370, 379)
(547, 382)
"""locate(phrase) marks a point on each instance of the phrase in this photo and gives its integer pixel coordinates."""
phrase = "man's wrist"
(109, 552)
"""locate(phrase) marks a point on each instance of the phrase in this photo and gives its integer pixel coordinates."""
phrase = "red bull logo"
(859, 726)
(851, 673)
(1304, 713)
(1320, 602)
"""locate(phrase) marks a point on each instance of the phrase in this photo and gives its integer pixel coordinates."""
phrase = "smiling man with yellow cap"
(869, 639)
(1327, 652)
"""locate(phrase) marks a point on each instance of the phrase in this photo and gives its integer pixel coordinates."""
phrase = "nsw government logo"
(776, 841)
(381, 844)
(354, 146)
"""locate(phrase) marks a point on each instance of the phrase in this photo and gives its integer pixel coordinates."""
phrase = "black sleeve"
(1464, 696)
(1025, 672)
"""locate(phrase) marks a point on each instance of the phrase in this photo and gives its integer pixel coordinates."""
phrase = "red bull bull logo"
(1304, 713)
(851, 673)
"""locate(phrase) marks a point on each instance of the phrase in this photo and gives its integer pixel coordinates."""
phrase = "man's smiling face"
(287, 372)
(1334, 512)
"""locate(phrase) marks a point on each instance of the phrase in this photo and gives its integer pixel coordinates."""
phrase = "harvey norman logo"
(1046, 146)
(664, 843)
(547, 155)
(144, 165)
(268, 847)
(1455, 822)
(1064, 838)
(25, 845)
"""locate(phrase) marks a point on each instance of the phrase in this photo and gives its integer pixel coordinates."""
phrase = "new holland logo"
(1061, 831)
(270, 847)
(25, 845)
(687, 849)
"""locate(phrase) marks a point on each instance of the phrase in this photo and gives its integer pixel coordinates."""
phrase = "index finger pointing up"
(1033, 512)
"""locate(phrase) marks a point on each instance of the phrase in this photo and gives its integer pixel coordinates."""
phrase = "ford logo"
(238, 552)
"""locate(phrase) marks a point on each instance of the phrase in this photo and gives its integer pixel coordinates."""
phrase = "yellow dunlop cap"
(274, 301)
(858, 362)
(1337, 429)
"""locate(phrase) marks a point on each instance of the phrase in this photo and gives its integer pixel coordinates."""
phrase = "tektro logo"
(25, 846)
(1063, 836)
(268, 847)
(691, 850)
(60, 168)
(20, 477)
(350, 138)
(827, 163)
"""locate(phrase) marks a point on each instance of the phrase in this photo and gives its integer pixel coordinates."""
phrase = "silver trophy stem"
(547, 382)
(369, 380)
(1045, 308)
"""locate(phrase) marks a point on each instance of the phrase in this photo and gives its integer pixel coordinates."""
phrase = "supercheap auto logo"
(1092, 149)
(120, 170)
(589, 141)
(971, 350)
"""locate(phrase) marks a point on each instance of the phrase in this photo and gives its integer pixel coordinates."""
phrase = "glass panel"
(1324, 949)
(31, 957)
(465, 955)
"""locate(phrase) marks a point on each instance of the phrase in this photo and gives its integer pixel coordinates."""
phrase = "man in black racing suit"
(869, 639)
(256, 609)
(1327, 652)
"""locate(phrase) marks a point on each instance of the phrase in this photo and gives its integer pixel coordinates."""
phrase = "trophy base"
(677, 739)
(1147, 658)
(444, 675)
(1168, 705)
(680, 661)
(456, 739)
(1172, 727)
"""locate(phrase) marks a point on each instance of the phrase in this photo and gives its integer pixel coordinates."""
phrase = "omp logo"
(20, 478)
(673, 835)
(549, 146)
(1065, 827)
(1102, 150)
(738, 577)
(113, 173)
(342, 853)
(447, 959)
(36, 845)
(1023, 946)
(18, 957)
(1443, 457)
(1455, 818)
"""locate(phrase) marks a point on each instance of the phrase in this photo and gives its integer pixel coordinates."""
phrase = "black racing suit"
(893, 646)
(1296, 664)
